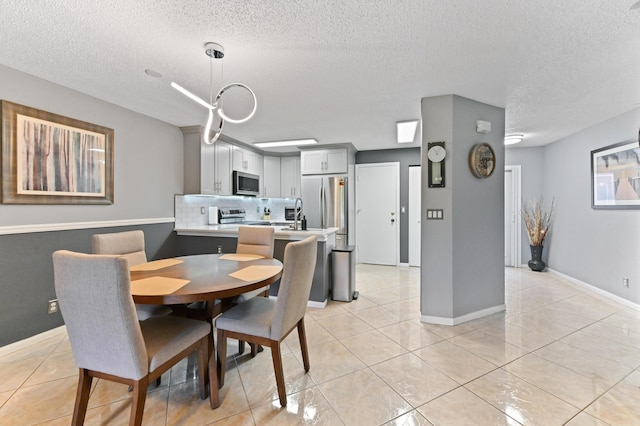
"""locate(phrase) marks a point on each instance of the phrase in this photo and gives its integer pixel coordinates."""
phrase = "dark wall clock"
(436, 154)
(482, 160)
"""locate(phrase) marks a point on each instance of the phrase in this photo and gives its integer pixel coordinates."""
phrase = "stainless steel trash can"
(343, 273)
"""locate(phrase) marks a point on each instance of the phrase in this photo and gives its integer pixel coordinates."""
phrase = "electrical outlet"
(52, 306)
(219, 249)
(625, 282)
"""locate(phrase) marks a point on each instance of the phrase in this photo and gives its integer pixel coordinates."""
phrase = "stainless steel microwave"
(246, 184)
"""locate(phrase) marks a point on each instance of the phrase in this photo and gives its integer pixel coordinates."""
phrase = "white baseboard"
(464, 318)
(21, 344)
(311, 303)
(319, 305)
(597, 290)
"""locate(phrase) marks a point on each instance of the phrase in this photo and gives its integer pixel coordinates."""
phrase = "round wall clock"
(482, 160)
(436, 153)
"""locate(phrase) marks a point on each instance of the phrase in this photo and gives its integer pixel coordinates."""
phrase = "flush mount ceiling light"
(295, 142)
(216, 51)
(406, 131)
(513, 139)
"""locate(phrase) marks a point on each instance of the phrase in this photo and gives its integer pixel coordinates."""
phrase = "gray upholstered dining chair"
(267, 321)
(251, 240)
(254, 240)
(130, 245)
(260, 241)
(109, 342)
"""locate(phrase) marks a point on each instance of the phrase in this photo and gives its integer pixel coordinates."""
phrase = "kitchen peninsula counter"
(231, 230)
(203, 239)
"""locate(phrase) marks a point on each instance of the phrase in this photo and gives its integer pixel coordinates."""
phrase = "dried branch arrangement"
(537, 220)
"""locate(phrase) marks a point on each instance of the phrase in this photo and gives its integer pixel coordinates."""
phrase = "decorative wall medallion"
(482, 160)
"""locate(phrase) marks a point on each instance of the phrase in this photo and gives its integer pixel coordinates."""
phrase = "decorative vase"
(536, 263)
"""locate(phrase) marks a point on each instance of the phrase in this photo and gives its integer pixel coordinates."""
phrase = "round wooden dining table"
(202, 278)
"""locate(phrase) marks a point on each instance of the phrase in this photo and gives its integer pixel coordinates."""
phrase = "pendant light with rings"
(216, 51)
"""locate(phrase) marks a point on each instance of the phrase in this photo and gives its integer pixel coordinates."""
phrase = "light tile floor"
(558, 355)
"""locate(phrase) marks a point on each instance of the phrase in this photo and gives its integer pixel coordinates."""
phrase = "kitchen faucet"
(296, 213)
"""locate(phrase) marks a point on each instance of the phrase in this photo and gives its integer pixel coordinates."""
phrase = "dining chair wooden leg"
(214, 395)
(203, 367)
(139, 397)
(302, 335)
(222, 357)
(240, 347)
(82, 397)
(279, 372)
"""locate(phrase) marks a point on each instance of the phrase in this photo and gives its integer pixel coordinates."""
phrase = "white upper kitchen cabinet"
(271, 180)
(324, 161)
(215, 168)
(290, 183)
(247, 161)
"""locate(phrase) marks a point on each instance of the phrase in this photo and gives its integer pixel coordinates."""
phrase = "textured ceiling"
(340, 71)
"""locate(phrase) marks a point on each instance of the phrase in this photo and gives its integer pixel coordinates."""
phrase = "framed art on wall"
(615, 176)
(52, 159)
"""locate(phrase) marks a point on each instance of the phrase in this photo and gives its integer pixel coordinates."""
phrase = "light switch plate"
(435, 214)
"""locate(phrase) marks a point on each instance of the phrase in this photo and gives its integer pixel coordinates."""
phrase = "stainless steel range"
(237, 215)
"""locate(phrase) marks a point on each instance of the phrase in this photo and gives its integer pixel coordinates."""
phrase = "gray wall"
(148, 155)
(406, 157)
(27, 273)
(598, 247)
(147, 173)
(462, 255)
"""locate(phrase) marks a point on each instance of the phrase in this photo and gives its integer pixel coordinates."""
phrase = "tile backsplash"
(188, 208)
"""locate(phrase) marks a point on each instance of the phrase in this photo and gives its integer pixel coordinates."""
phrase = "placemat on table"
(256, 272)
(241, 257)
(155, 265)
(157, 286)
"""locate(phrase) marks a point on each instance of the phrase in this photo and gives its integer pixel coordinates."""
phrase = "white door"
(415, 202)
(512, 233)
(377, 219)
(508, 218)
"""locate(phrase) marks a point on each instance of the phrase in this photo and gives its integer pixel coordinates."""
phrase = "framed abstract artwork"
(52, 159)
(615, 176)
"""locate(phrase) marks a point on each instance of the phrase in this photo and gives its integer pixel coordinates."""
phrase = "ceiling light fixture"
(406, 131)
(513, 139)
(294, 142)
(216, 51)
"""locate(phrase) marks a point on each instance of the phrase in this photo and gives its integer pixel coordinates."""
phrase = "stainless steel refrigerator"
(326, 204)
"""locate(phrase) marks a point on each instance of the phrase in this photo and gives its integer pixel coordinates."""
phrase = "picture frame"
(52, 159)
(615, 176)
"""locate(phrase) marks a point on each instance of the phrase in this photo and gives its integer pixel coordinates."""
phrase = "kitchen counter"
(231, 230)
(201, 239)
